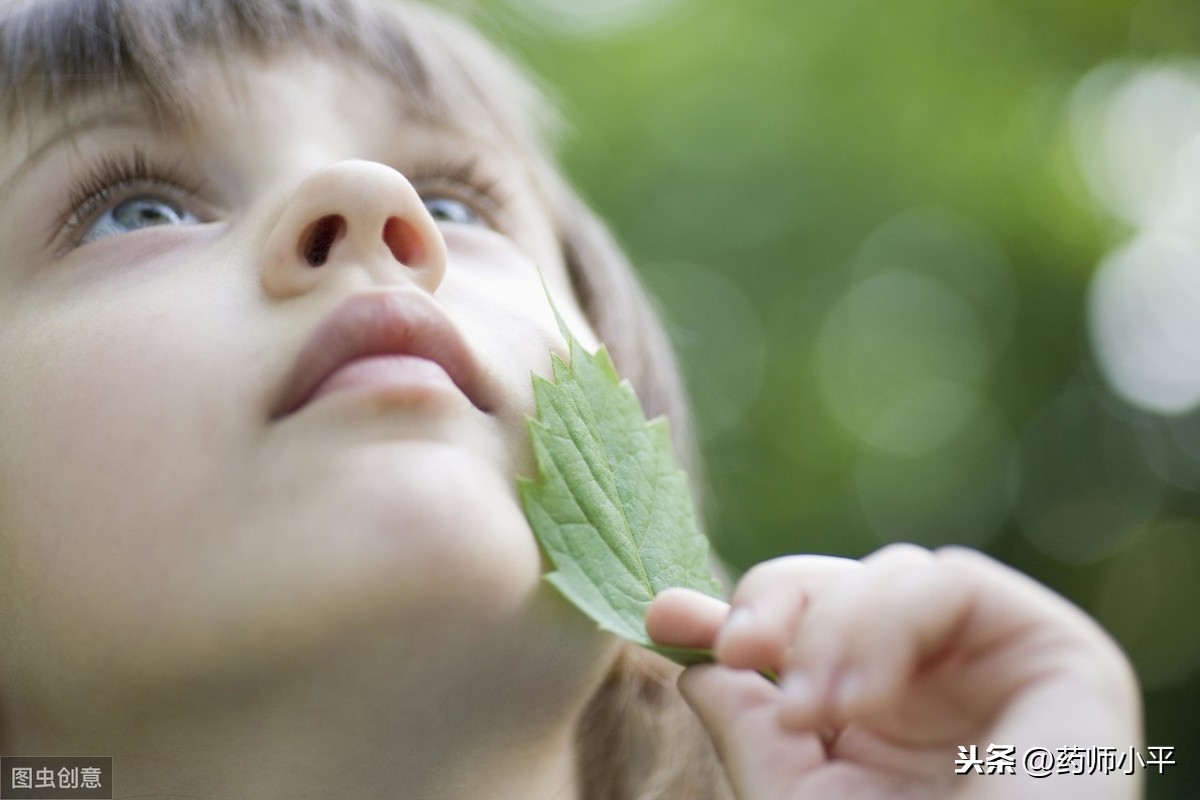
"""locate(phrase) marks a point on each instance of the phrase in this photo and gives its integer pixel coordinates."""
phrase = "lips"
(398, 323)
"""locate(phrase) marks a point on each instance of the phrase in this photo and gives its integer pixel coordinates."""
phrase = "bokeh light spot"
(1144, 309)
(720, 338)
(923, 418)
(955, 252)
(894, 338)
(1130, 127)
(955, 494)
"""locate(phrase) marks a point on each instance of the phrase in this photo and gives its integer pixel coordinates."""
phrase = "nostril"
(404, 242)
(320, 238)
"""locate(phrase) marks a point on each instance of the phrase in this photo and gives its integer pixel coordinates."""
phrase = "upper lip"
(380, 323)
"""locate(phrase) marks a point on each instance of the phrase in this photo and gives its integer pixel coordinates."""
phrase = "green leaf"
(610, 507)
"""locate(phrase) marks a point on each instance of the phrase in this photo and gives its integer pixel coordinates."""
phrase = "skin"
(240, 607)
(888, 665)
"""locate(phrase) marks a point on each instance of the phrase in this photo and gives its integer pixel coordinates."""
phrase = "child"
(270, 294)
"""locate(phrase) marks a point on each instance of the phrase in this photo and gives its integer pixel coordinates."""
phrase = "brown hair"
(637, 740)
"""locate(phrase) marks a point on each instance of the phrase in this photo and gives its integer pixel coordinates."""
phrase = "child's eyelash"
(465, 176)
(112, 176)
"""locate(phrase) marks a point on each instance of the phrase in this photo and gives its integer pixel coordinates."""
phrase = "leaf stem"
(686, 657)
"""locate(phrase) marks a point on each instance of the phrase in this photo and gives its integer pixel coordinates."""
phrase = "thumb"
(740, 711)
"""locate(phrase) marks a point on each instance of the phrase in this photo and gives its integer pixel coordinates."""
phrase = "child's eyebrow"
(123, 115)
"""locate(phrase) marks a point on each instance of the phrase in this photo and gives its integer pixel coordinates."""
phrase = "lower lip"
(408, 375)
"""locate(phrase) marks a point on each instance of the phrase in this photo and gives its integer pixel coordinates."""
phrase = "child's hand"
(888, 666)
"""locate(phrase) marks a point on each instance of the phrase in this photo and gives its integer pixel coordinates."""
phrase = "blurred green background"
(933, 268)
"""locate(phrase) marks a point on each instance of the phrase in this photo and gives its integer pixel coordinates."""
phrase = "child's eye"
(142, 211)
(124, 194)
(449, 209)
(462, 192)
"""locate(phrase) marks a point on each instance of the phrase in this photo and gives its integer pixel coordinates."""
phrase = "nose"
(357, 214)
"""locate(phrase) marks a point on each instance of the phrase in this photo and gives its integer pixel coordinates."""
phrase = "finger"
(767, 606)
(954, 614)
(1009, 600)
(856, 649)
(740, 712)
(685, 618)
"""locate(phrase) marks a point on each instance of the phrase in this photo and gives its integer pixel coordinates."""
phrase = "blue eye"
(447, 209)
(144, 211)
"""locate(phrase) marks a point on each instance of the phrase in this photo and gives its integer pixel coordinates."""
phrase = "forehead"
(292, 95)
(59, 57)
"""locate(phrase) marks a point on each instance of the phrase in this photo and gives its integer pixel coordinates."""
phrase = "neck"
(498, 722)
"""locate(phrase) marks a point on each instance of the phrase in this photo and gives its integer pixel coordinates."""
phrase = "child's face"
(160, 513)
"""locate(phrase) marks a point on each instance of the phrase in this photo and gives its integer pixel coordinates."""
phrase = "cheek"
(497, 297)
(117, 427)
(112, 449)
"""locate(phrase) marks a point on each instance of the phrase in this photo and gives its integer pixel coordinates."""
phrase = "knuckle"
(967, 561)
(769, 573)
(957, 553)
(900, 553)
(788, 573)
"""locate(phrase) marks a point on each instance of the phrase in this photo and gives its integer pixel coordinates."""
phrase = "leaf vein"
(588, 419)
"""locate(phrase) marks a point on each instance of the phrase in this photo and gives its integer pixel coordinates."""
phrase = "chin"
(413, 526)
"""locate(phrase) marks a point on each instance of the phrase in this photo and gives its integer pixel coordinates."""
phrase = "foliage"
(610, 507)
